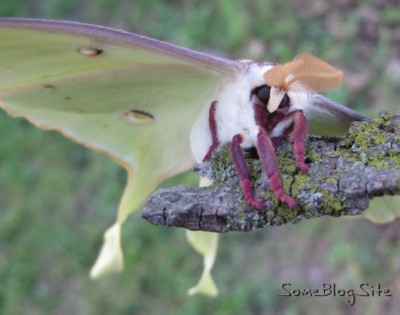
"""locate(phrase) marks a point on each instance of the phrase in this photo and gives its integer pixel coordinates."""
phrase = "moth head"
(263, 94)
(304, 74)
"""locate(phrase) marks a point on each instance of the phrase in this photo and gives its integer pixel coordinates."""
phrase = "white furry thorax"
(234, 113)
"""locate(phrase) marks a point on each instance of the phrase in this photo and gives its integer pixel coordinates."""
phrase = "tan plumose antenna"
(305, 74)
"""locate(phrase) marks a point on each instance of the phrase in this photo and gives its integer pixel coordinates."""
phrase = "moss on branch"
(344, 175)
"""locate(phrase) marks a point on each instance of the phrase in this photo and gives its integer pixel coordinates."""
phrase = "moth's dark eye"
(285, 101)
(263, 94)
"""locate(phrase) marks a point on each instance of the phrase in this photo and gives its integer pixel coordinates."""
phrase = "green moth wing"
(328, 118)
(128, 96)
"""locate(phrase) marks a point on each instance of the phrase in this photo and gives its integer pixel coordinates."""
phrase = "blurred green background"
(57, 198)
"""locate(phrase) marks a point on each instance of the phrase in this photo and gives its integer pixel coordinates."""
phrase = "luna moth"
(157, 108)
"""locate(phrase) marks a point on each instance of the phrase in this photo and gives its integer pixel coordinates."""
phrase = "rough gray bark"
(344, 174)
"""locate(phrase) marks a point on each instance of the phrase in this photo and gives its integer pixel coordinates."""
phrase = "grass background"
(57, 198)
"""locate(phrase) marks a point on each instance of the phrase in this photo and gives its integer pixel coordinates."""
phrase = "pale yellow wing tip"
(206, 244)
(205, 286)
(110, 259)
(383, 210)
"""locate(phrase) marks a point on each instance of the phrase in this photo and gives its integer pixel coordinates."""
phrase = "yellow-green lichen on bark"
(369, 144)
(336, 183)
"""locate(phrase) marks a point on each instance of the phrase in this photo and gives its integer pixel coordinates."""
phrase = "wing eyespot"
(89, 51)
(138, 117)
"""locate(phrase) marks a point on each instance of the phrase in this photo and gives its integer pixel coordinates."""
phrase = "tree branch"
(344, 174)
